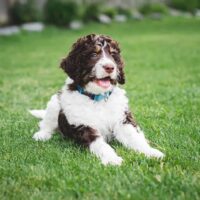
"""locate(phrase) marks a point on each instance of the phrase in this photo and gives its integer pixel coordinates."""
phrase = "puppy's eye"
(94, 54)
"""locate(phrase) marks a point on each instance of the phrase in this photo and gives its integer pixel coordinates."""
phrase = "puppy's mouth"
(103, 82)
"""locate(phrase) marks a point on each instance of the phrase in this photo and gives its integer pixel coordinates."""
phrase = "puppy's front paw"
(155, 153)
(112, 160)
(41, 135)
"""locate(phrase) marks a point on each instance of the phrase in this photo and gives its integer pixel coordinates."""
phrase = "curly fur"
(78, 64)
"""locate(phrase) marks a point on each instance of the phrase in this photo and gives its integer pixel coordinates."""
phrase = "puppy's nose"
(108, 68)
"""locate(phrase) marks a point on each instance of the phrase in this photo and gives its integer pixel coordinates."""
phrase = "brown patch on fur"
(80, 62)
(112, 51)
(83, 135)
(129, 119)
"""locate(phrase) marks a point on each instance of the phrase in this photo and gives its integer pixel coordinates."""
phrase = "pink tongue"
(103, 83)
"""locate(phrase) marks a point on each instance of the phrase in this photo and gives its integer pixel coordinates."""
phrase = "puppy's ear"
(121, 75)
(71, 63)
(114, 47)
(68, 65)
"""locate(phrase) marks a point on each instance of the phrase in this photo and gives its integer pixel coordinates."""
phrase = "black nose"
(108, 68)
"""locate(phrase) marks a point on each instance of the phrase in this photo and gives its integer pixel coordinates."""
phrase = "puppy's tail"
(38, 113)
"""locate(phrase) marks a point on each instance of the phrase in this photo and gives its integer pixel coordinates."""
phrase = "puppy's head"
(94, 63)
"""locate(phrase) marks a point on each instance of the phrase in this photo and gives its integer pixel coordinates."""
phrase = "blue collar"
(95, 97)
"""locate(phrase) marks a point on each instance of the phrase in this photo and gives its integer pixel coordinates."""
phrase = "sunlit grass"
(163, 84)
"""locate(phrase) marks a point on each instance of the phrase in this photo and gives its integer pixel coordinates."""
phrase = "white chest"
(102, 116)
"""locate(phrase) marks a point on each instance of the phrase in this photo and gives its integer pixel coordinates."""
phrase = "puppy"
(91, 108)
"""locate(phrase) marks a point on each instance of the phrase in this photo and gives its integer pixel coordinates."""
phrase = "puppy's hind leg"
(50, 121)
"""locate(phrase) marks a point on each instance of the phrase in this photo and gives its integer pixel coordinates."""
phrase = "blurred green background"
(62, 12)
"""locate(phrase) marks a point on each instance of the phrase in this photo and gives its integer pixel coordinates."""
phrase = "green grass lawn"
(163, 83)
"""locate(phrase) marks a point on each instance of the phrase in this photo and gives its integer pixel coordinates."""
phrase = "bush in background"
(124, 11)
(110, 12)
(185, 5)
(154, 8)
(24, 12)
(91, 12)
(61, 13)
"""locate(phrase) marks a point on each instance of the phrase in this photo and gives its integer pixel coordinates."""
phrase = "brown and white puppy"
(91, 108)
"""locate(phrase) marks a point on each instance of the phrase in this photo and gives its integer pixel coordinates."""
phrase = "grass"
(163, 84)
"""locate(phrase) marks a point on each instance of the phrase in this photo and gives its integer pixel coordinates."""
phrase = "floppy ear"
(68, 65)
(114, 47)
(71, 63)
(121, 75)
